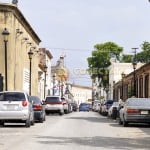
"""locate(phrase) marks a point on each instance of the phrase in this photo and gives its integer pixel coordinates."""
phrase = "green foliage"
(127, 58)
(100, 59)
(144, 55)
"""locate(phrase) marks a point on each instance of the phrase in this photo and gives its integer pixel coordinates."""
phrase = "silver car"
(15, 106)
(135, 110)
(54, 104)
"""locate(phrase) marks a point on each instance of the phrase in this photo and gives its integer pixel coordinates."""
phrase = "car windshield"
(139, 102)
(12, 96)
(52, 99)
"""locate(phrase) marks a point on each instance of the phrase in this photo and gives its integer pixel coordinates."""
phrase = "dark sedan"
(39, 109)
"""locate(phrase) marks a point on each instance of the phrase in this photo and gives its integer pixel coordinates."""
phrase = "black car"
(74, 106)
(39, 109)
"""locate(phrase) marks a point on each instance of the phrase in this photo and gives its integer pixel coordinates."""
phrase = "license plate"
(144, 112)
(10, 107)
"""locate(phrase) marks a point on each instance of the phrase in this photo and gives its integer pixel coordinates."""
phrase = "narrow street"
(75, 131)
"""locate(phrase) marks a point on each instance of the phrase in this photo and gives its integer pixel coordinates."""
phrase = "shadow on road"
(92, 119)
(98, 141)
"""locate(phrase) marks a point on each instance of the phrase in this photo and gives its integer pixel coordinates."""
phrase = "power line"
(68, 49)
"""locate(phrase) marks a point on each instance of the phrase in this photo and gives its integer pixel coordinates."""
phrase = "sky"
(73, 27)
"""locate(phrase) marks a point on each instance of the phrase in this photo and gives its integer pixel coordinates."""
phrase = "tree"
(100, 60)
(127, 58)
(144, 55)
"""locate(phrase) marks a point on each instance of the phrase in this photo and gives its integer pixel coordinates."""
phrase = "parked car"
(54, 104)
(65, 104)
(135, 110)
(15, 106)
(74, 106)
(105, 106)
(113, 110)
(95, 106)
(70, 105)
(39, 109)
(84, 107)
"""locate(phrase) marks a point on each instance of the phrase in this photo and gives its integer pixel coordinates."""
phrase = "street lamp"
(45, 70)
(122, 75)
(5, 33)
(30, 54)
(134, 79)
(53, 83)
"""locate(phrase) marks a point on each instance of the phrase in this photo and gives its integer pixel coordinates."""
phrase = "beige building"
(21, 39)
(81, 93)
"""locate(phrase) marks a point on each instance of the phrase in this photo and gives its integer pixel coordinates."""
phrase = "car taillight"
(64, 103)
(24, 103)
(132, 111)
(37, 107)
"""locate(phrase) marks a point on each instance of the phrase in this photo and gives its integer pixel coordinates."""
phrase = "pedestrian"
(121, 102)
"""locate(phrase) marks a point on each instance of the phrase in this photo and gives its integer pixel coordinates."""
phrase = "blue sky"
(73, 27)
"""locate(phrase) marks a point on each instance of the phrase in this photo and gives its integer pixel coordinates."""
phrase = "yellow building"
(21, 39)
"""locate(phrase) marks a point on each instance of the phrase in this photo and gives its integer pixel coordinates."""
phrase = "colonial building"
(14, 53)
(115, 74)
(81, 93)
(137, 83)
(44, 73)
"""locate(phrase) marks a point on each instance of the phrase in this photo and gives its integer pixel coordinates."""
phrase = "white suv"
(15, 106)
(54, 104)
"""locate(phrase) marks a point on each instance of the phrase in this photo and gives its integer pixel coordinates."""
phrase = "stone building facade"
(141, 83)
(22, 38)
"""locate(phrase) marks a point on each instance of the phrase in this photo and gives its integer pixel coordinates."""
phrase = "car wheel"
(2, 123)
(66, 111)
(32, 122)
(28, 123)
(41, 120)
(61, 112)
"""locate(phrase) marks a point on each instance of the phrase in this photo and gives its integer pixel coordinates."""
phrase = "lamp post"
(5, 33)
(134, 79)
(122, 75)
(45, 70)
(30, 54)
(53, 83)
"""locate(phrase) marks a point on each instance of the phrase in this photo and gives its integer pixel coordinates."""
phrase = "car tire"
(2, 123)
(41, 120)
(32, 122)
(61, 112)
(66, 111)
(28, 123)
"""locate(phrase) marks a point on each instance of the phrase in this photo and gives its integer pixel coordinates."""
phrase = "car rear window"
(12, 96)
(84, 104)
(109, 102)
(139, 102)
(52, 99)
(35, 99)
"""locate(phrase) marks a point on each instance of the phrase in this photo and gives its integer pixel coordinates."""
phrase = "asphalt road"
(75, 131)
